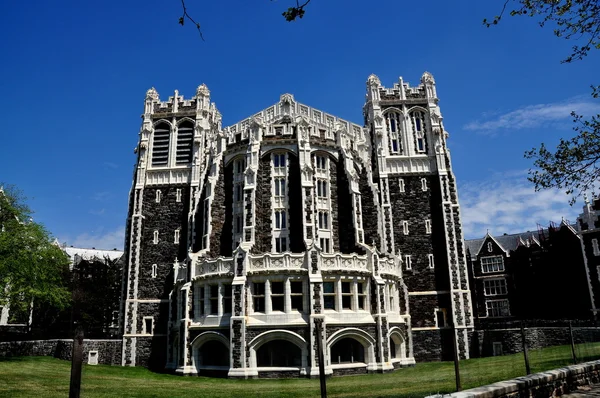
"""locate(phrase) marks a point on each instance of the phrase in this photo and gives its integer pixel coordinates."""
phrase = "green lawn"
(48, 377)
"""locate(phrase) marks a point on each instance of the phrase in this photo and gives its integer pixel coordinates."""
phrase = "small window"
(405, 227)
(424, 184)
(296, 295)
(440, 318)
(407, 261)
(258, 296)
(154, 269)
(158, 195)
(497, 349)
(279, 160)
(595, 247)
(401, 184)
(497, 308)
(323, 220)
(214, 299)
(155, 240)
(329, 295)
(362, 295)
(148, 325)
(178, 195)
(492, 264)
(392, 125)
(279, 187)
(494, 287)
(394, 145)
(227, 299)
(420, 144)
(427, 226)
(277, 296)
(280, 219)
(490, 247)
(346, 296)
(325, 246)
(176, 237)
(320, 163)
(431, 261)
(280, 245)
(322, 189)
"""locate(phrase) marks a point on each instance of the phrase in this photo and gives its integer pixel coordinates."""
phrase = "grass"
(49, 377)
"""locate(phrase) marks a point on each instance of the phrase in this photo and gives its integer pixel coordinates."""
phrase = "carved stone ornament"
(286, 99)
(437, 130)
(427, 78)
(378, 120)
(152, 94)
(197, 140)
(144, 145)
(202, 90)
(373, 80)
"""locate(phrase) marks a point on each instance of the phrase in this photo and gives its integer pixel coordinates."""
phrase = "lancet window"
(185, 139)
(279, 171)
(323, 201)
(239, 166)
(394, 127)
(160, 145)
(419, 130)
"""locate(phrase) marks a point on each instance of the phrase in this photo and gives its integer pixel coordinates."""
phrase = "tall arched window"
(160, 145)
(394, 126)
(418, 122)
(185, 136)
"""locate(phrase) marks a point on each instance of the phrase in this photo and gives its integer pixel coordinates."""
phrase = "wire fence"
(505, 350)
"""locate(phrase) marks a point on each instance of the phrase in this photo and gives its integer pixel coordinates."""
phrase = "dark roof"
(507, 242)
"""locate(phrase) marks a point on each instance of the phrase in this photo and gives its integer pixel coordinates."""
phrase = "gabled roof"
(506, 242)
(288, 107)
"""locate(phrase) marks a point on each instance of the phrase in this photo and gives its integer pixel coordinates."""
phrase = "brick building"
(244, 241)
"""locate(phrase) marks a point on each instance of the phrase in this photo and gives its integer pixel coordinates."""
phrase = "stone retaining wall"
(552, 383)
(109, 351)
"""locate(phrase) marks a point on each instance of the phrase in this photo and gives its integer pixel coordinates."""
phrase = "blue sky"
(74, 76)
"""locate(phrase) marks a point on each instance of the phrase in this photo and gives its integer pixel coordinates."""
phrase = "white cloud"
(507, 203)
(533, 116)
(100, 240)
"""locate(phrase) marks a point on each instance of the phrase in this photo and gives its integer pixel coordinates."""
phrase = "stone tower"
(421, 215)
(171, 156)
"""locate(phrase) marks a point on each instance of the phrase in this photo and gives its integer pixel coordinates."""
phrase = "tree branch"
(185, 16)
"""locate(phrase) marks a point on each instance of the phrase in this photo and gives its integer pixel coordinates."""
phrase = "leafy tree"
(574, 164)
(32, 268)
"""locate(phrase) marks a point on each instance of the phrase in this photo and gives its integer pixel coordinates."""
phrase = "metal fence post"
(525, 354)
(572, 343)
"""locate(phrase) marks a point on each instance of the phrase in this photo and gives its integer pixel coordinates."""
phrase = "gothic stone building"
(246, 244)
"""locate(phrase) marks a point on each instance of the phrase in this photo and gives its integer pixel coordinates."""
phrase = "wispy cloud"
(111, 165)
(100, 240)
(533, 116)
(101, 196)
(507, 203)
